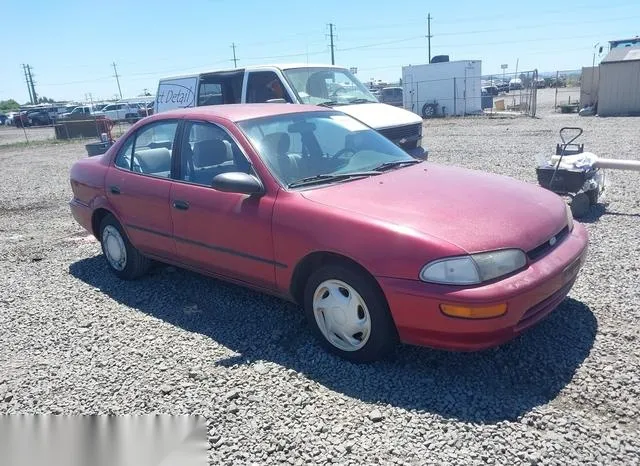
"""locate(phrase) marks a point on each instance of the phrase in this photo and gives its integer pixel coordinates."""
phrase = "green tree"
(45, 100)
(8, 105)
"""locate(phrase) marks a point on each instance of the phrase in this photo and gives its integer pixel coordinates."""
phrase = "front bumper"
(418, 152)
(530, 296)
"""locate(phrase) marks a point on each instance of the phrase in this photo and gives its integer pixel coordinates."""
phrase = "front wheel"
(349, 314)
(124, 260)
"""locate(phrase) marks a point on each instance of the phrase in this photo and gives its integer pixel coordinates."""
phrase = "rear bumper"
(530, 296)
(82, 214)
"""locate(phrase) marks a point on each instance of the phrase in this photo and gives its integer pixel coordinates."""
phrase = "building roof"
(622, 54)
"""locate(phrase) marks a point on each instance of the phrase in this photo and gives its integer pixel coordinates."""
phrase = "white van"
(324, 85)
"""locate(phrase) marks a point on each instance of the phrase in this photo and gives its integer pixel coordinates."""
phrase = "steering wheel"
(341, 152)
(337, 90)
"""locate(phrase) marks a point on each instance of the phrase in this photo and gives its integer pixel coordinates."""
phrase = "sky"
(72, 44)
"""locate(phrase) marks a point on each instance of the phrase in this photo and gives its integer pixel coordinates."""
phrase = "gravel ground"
(76, 340)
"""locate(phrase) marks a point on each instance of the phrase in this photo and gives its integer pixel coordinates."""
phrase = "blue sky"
(71, 44)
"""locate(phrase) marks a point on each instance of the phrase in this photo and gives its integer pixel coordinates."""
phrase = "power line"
(333, 61)
(115, 70)
(235, 60)
(366, 46)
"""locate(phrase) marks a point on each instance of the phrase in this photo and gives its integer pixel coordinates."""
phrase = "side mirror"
(237, 182)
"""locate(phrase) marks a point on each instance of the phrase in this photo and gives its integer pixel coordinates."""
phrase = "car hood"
(474, 210)
(379, 115)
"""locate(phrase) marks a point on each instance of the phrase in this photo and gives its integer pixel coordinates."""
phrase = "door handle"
(114, 189)
(181, 205)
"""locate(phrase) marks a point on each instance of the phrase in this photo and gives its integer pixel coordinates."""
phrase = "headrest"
(211, 152)
(277, 143)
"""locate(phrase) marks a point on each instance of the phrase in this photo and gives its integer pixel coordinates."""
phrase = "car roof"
(240, 112)
(249, 68)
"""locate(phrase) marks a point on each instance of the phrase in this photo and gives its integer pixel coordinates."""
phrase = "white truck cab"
(325, 85)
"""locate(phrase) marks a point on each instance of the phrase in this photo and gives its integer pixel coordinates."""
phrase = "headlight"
(569, 217)
(475, 268)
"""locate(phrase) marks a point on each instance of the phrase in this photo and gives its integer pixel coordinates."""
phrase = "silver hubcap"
(342, 315)
(114, 248)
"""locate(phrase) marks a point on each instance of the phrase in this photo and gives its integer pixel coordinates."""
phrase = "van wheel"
(349, 314)
(124, 260)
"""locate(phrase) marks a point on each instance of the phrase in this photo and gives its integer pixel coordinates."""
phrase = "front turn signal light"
(473, 312)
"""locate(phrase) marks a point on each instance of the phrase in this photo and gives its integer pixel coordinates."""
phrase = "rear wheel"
(349, 314)
(124, 260)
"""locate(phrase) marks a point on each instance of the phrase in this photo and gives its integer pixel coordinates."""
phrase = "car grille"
(398, 132)
(545, 247)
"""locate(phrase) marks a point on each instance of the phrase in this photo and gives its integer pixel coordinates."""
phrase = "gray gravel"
(76, 340)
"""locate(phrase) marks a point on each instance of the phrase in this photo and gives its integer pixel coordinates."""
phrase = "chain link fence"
(468, 95)
(61, 122)
(566, 85)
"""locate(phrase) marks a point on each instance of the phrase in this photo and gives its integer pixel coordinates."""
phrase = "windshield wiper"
(396, 164)
(328, 103)
(328, 177)
(361, 101)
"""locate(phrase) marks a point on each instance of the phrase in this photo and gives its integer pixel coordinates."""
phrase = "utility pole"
(333, 60)
(235, 60)
(33, 88)
(26, 77)
(429, 35)
(115, 70)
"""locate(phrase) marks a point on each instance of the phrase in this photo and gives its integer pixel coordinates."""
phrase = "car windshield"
(331, 86)
(321, 147)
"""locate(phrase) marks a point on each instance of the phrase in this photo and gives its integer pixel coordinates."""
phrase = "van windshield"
(331, 86)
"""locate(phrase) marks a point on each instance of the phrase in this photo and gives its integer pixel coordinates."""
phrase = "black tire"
(594, 194)
(135, 265)
(383, 336)
(580, 205)
(428, 110)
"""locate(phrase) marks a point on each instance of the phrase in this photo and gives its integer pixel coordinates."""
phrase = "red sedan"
(311, 205)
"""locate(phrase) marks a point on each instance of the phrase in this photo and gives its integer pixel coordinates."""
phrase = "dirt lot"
(77, 340)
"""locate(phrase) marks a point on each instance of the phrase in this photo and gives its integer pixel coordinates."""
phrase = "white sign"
(176, 93)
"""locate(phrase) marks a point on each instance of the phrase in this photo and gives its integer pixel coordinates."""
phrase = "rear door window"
(150, 150)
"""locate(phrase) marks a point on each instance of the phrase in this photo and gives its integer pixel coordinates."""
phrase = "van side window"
(263, 86)
(210, 94)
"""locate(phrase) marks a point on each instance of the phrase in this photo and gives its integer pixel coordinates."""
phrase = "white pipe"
(617, 164)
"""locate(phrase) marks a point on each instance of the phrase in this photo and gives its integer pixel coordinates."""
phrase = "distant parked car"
(41, 117)
(120, 112)
(515, 84)
(80, 112)
(503, 86)
(490, 90)
(309, 204)
(391, 96)
(21, 119)
(10, 118)
(146, 110)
